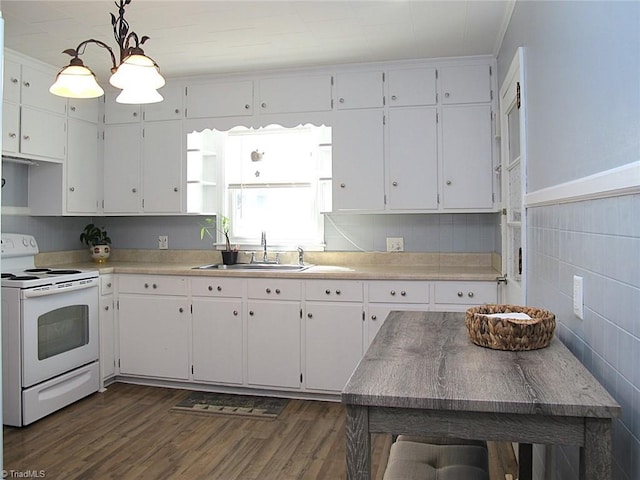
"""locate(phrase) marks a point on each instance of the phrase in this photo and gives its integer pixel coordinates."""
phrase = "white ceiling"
(217, 36)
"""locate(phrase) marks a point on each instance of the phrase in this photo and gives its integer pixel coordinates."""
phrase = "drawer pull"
(181, 309)
(374, 318)
(210, 288)
(392, 292)
(327, 291)
(470, 294)
(277, 291)
(309, 315)
(146, 285)
(460, 294)
(403, 293)
(338, 292)
(268, 290)
(109, 285)
(106, 308)
(155, 286)
(219, 288)
(251, 313)
(235, 313)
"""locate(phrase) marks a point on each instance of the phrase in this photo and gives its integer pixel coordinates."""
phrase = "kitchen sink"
(271, 267)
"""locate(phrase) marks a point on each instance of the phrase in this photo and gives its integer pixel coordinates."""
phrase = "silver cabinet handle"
(247, 106)
(446, 95)
(146, 285)
(392, 292)
(449, 182)
(268, 290)
(26, 137)
(106, 308)
(374, 318)
(393, 97)
(341, 100)
(14, 80)
(73, 108)
(327, 291)
(251, 313)
(26, 84)
(277, 291)
(12, 135)
(72, 189)
(210, 288)
(181, 309)
(235, 313)
(263, 105)
(109, 285)
(470, 294)
(175, 189)
(395, 184)
(342, 185)
(135, 114)
(177, 110)
(403, 293)
(134, 190)
(309, 315)
(460, 294)
(155, 286)
(219, 288)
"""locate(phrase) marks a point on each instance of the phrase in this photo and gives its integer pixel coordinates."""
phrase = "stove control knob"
(32, 242)
(25, 241)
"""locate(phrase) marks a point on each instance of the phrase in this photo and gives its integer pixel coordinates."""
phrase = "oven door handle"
(32, 293)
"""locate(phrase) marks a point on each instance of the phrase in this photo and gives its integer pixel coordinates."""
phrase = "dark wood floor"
(128, 432)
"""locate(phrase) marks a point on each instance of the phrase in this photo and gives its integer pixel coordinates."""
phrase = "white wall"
(582, 85)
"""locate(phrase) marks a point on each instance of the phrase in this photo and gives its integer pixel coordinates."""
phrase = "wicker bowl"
(510, 333)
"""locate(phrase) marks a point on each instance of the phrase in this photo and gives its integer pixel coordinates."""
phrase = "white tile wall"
(599, 240)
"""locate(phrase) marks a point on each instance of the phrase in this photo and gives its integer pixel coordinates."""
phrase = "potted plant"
(98, 241)
(229, 256)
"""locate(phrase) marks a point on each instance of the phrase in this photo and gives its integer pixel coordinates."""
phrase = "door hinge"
(383, 77)
(363, 318)
(436, 73)
(504, 211)
(490, 70)
(384, 119)
(118, 302)
(438, 198)
(332, 81)
(300, 377)
(502, 279)
(437, 117)
(518, 95)
(491, 95)
(493, 198)
(300, 313)
(191, 308)
(191, 369)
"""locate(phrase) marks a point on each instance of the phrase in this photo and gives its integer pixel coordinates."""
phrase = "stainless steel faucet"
(300, 256)
(263, 243)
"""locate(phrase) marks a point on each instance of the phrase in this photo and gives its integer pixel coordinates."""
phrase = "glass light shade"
(76, 81)
(139, 96)
(137, 71)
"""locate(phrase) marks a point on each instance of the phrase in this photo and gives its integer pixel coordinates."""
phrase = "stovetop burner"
(24, 277)
(62, 272)
(8, 275)
(37, 270)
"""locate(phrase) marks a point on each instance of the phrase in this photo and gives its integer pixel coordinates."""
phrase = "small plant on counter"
(92, 235)
(225, 228)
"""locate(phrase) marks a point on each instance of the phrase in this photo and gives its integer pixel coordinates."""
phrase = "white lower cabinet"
(333, 333)
(273, 333)
(386, 296)
(107, 329)
(217, 330)
(154, 326)
(458, 296)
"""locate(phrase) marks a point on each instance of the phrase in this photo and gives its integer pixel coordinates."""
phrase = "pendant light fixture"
(137, 75)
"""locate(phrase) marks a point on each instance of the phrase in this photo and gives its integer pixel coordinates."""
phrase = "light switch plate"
(578, 296)
(395, 244)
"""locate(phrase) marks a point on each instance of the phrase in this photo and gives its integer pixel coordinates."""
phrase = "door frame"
(513, 90)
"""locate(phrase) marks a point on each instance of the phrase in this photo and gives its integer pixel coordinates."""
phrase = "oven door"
(59, 330)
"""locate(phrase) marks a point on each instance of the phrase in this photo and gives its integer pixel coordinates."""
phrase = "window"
(276, 179)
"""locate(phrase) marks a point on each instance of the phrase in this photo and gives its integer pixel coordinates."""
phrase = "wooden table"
(423, 376)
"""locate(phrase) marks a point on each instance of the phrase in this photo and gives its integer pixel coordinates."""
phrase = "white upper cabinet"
(171, 108)
(293, 94)
(35, 90)
(115, 112)
(358, 160)
(82, 168)
(466, 157)
(411, 86)
(87, 109)
(413, 159)
(359, 90)
(42, 134)
(122, 175)
(465, 84)
(163, 183)
(223, 99)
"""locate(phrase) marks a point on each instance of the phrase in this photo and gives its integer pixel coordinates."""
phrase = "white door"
(512, 116)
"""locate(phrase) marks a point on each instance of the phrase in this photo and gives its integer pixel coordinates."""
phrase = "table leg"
(595, 456)
(358, 443)
(525, 461)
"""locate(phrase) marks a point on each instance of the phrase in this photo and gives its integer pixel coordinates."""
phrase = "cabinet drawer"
(399, 292)
(152, 285)
(216, 287)
(466, 293)
(335, 291)
(274, 289)
(106, 284)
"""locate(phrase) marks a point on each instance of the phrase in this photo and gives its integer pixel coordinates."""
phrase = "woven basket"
(509, 333)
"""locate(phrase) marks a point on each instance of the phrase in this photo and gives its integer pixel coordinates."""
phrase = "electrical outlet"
(163, 242)
(395, 244)
(578, 296)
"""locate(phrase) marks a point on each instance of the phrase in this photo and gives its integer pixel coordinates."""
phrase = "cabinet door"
(465, 84)
(10, 127)
(295, 94)
(358, 160)
(273, 344)
(412, 86)
(220, 99)
(154, 336)
(107, 337)
(217, 340)
(171, 108)
(87, 109)
(162, 167)
(359, 90)
(82, 167)
(43, 134)
(466, 157)
(122, 168)
(12, 83)
(333, 344)
(35, 91)
(115, 112)
(413, 159)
